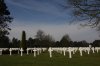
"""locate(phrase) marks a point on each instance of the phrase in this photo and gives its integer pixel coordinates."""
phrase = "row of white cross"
(36, 51)
(72, 50)
(2, 49)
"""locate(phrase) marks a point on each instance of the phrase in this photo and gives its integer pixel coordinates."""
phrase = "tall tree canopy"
(40, 35)
(5, 19)
(23, 41)
(43, 39)
(86, 10)
(65, 41)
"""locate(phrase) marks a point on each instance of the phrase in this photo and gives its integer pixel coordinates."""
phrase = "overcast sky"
(47, 15)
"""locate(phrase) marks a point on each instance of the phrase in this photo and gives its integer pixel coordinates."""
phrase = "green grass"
(57, 60)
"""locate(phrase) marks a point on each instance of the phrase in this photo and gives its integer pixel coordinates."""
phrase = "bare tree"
(40, 35)
(88, 10)
(45, 40)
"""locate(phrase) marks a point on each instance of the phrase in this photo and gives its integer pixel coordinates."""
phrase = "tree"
(64, 42)
(5, 19)
(57, 44)
(40, 35)
(86, 10)
(48, 41)
(84, 44)
(30, 42)
(15, 43)
(43, 40)
(4, 42)
(96, 43)
(23, 41)
(37, 43)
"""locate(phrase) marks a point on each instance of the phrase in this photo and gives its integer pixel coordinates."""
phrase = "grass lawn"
(57, 60)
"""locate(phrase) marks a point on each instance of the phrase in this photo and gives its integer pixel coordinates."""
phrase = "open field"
(57, 60)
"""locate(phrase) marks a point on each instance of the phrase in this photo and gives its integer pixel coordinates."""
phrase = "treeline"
(43, 40)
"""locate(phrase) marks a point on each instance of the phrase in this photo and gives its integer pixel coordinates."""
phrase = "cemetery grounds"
(92, 59)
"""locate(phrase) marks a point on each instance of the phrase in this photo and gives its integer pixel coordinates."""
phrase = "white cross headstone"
(34, 52)
(50, 52)
(64, 50)
(69, 50)
(88, 50)
(21, 51)
(97, 49)
(80, 49)
(90, 46)
(10, 51)
(80, 52)
(93, 49)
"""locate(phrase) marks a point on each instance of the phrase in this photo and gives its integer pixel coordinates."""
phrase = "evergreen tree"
(23, 41)
(15, 43)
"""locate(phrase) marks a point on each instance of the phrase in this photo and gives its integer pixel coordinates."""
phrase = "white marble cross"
(69, 50)
(97, 49)
(38, 51)
(88, 49)
(50, 52)
(21, 51)
(93, 49)
(64, 50)
(10, 51)
(80, 49)
(34, 52)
